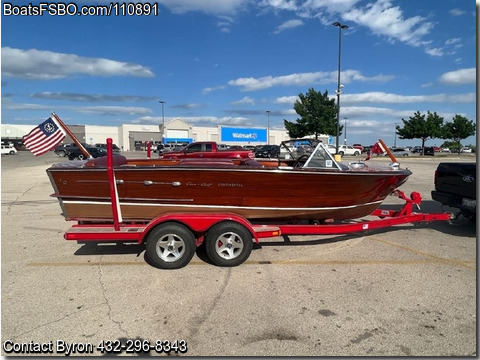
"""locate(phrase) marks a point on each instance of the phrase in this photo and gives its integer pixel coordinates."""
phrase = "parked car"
(455, 186)
(160, 149)
(331, 149)
(366, 149)
(164, 148)
(76, 154)
(399, 152)
(268, 151)
(466, 149)
(429, 150)
(115, 148)
(358, 146)
(348, 150)
(303, 149)
(64, 149)
(8, 150)
(236, 147)
(207, 150)
(417, 149)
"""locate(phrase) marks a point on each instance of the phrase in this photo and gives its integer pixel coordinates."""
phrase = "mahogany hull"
(146, 192)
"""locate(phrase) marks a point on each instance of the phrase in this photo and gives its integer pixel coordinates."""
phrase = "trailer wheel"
(170, 246)
(228, 244)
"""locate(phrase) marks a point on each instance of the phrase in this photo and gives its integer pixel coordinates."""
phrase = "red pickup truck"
(207, 149)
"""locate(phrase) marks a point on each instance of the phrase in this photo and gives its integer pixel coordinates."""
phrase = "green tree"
(420, 128)
(460, 128)
(317, 115)
(451, 145)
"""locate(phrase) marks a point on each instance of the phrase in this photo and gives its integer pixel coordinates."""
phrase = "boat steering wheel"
(300, 161)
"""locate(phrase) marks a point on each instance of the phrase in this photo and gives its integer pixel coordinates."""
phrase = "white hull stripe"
(224, 207)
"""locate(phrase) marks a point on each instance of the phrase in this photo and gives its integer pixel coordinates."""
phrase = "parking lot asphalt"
(408, 290)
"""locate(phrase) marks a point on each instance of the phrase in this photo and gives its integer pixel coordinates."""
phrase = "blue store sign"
(247, 135)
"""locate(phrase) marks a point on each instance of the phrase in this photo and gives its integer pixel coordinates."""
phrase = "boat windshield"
(321, 158)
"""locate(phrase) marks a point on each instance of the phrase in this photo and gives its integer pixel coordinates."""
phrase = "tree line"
(317, 115)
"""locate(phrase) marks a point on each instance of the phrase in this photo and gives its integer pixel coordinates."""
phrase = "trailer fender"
(199, 224)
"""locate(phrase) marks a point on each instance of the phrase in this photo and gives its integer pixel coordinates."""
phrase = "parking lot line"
(463, 263)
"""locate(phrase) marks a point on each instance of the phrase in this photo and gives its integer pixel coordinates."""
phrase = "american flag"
(44, 137)
(375, 149)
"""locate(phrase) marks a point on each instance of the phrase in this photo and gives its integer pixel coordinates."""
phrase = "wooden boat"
(312, 186)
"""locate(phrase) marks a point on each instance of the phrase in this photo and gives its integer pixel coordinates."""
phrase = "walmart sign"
(247, 135)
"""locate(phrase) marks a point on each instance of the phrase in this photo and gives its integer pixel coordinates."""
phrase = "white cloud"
(15, 106)
(304, 79)
(456, 12)
(290, 24)
(386, 98)
(189, 106)
(280, 4)
(46, 65)
(384, 19)
(435, 51)
(67, 96)
(286, 100)
(213, 120)
(452, 41)
(208, 90)
(113, 110)
(246, 100)
(458, 77)
(198, 120)
(209, 7)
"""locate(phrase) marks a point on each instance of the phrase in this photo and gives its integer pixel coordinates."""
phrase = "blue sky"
(226, 62)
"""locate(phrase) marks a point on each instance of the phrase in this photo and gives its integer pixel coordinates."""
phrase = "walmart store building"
(131, 137)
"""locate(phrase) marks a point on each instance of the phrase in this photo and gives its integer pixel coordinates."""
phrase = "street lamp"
(268, 126)
(395, 136)
(339, 86)
(345, 132)
(163, 120)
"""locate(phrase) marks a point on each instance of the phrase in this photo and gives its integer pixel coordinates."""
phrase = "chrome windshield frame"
(321, 158)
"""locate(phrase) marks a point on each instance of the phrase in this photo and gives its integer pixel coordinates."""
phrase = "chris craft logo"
(237, 135)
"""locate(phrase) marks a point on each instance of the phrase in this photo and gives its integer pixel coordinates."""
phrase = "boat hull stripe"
(225, 207)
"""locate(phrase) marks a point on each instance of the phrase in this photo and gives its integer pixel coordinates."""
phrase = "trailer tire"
(228, 244)
(170, 246)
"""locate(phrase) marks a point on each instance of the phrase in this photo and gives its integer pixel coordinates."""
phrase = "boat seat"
(118, 160)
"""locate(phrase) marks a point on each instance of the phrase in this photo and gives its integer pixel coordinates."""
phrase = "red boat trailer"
(171, 239)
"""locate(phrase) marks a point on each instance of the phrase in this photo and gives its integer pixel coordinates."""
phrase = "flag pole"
(387, 150)
(74, 138)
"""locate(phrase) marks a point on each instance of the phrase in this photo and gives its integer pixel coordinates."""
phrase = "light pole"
(339, 86)
(395, 136)
(163, 120)
(268, 126)
(345, 132)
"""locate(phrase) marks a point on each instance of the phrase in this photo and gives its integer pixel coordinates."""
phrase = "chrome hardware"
(148, 182)
(176, 183)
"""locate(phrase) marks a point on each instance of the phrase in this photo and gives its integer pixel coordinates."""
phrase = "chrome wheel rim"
(229, 245)
(170, 247)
